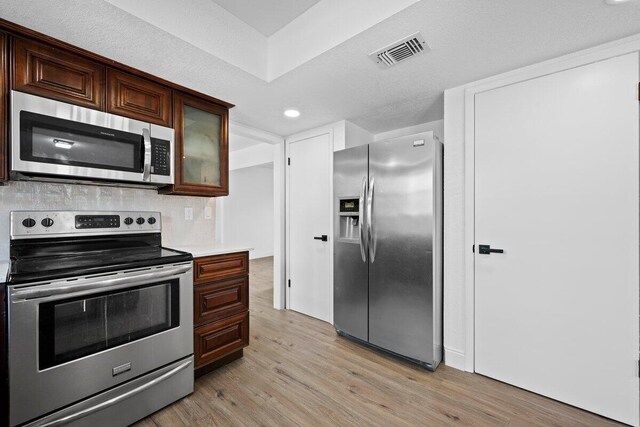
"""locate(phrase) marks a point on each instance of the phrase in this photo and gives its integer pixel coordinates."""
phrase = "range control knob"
(128, 220)
(140, 220)
(47, 222)
(29, 222)
(151, 220)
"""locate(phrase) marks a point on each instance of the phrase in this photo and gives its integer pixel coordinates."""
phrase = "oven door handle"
(95, 284)
(64, 417)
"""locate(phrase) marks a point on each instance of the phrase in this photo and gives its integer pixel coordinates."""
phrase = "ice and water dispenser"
(349, 218)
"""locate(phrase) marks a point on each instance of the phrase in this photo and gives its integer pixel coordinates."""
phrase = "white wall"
(437, 127)
(355, 135)
(251, 156)
(248, 210)
(23, 195)
(279, 214)
(454, 221)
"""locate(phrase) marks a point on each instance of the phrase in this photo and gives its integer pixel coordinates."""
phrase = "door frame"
(574, 60)
(329, 130)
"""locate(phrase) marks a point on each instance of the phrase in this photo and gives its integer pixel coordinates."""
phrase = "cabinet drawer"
(59, 74)
(213, 301)
(220, 267)
(138, 98)
(218, 339)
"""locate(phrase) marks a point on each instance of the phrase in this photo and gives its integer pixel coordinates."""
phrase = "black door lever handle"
(486, 250)
(324, 238)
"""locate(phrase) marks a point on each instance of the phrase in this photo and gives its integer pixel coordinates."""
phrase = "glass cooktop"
(44, 259)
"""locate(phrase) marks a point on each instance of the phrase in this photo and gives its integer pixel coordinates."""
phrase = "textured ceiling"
(266, 16)
(470, 40)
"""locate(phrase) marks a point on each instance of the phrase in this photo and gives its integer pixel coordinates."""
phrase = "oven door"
(53, 138)
(71, 339)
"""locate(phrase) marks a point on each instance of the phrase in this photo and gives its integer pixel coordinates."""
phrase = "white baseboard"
(454, 358)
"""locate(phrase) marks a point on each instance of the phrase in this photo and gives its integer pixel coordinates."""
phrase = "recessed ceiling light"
(612, 2)
(292, 113)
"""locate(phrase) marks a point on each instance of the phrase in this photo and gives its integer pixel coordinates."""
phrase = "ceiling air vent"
(400, 50)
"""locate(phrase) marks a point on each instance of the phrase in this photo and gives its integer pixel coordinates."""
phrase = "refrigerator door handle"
(370, 237)
(361, 220)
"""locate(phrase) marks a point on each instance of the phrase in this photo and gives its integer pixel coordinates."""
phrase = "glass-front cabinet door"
(201, 147)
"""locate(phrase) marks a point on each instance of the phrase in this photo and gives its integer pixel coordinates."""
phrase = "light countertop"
(211, 249)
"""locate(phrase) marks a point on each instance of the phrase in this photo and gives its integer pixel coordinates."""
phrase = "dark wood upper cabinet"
(138, 98)
(202, 147)
(41, 65)
(4, 106)
(59, 74)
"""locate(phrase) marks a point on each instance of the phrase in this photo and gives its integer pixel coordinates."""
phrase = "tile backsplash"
(176, 231)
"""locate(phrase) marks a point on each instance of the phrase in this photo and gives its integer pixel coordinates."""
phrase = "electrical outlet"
(188, 214)
(207, 212)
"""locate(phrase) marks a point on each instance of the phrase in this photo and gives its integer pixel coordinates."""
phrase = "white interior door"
(309, 205)
(557, 189)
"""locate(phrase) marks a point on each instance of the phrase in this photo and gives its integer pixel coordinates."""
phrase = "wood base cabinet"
(220, 310)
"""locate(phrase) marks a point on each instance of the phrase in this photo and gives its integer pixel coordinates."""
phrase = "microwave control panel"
(160, 157)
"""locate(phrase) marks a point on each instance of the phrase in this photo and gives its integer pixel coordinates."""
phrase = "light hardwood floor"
(297, 371)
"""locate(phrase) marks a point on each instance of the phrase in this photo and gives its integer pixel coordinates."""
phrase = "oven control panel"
(97, 221)
(38, 224)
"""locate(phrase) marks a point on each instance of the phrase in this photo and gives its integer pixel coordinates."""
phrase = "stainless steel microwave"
(52, 140)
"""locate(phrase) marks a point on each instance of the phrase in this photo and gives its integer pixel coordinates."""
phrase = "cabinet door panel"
(4, 105)
(138, 98)
(218, 339)
(202, 151)
(54, 73)
(213, 301)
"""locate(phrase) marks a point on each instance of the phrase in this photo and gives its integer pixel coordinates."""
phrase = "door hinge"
(638, 91)
(473, 249)
(289, 161)
(289, 282)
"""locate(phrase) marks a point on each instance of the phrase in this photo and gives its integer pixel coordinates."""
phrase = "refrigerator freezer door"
(351, 287)
(401, 310)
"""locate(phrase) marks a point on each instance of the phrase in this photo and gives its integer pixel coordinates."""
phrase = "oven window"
(48, 139)
(78, 327)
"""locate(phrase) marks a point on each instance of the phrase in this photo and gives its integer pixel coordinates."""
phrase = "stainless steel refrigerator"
(388, 246)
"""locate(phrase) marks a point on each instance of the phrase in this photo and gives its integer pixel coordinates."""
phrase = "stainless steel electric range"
(100, 318)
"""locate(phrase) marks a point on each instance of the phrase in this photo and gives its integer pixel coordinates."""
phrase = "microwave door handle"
(146, 166)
